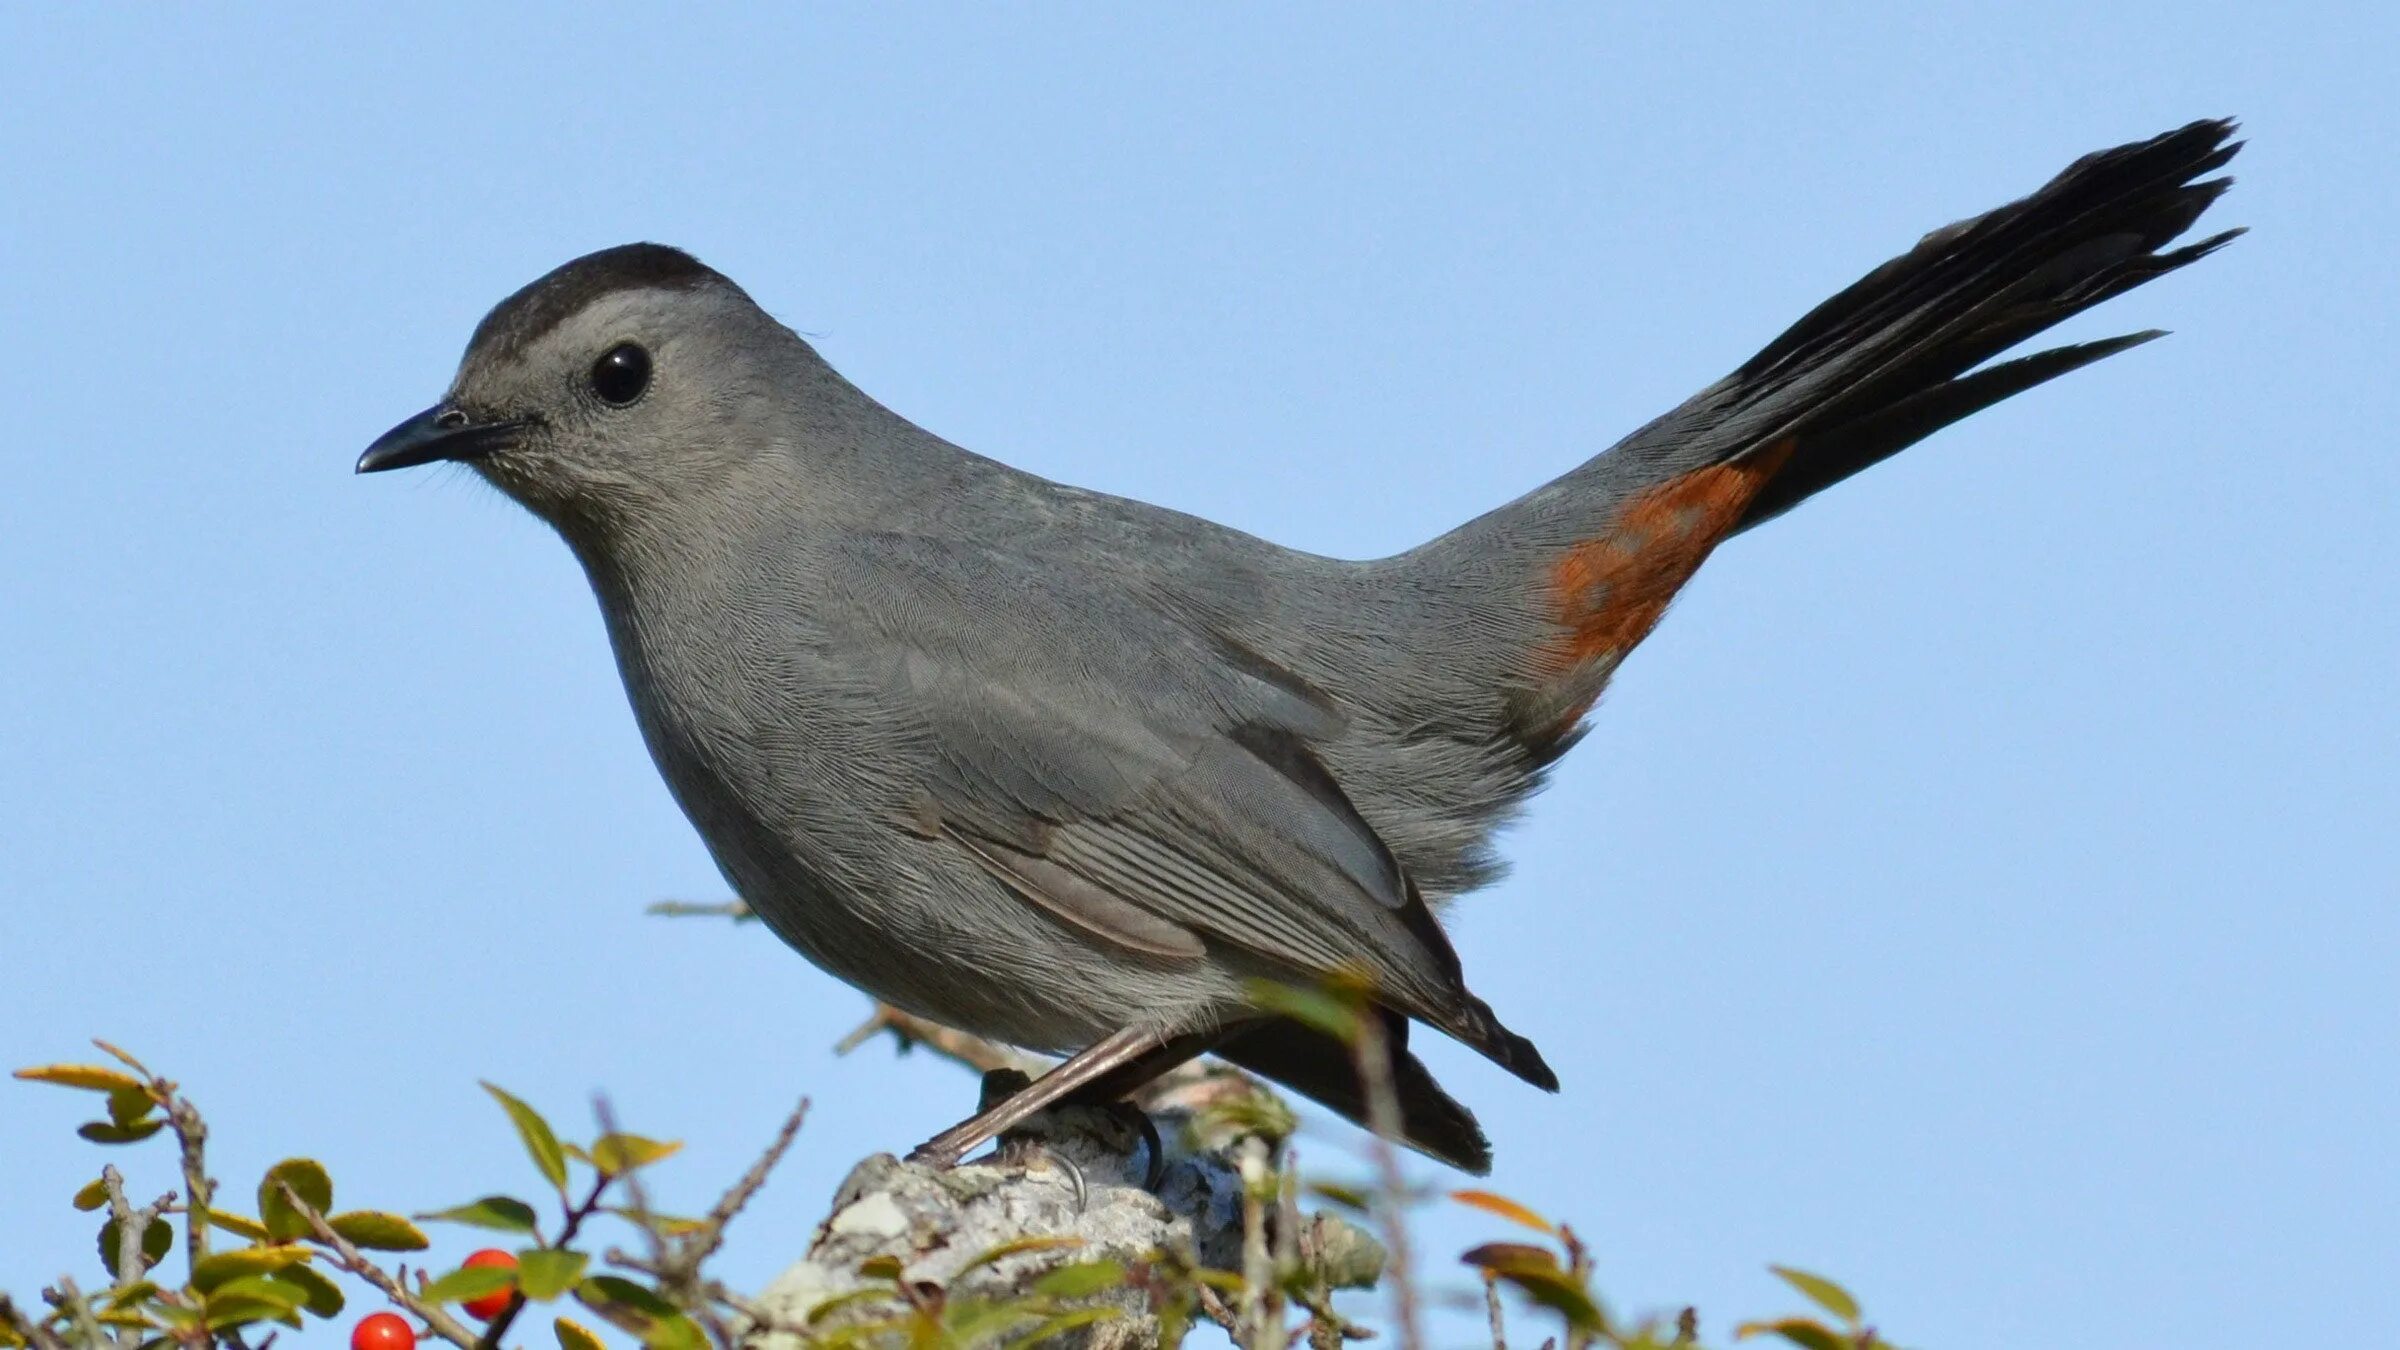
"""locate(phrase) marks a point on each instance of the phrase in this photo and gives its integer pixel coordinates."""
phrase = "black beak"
(436, 433)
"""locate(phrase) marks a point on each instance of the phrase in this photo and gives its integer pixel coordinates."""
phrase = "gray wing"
(1133, 773)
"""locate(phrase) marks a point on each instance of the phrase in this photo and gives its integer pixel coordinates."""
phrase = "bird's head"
(615, 387)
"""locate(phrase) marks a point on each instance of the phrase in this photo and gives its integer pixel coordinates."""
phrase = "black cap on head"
(521, 319)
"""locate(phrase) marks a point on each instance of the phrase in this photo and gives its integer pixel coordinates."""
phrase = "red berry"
(486, 1308)
(383, 1331)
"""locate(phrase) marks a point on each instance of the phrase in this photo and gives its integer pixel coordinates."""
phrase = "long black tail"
(1321, 1068)
(1883, 364)
(1602, 550)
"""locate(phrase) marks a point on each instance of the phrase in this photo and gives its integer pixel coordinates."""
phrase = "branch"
(1072, 1181)
(1261, 1326)
(191, 1140)
(1374, 1054)
(675, 1262)
(911, 1031)
(438, 1322)
(569, 1225)
(76, 1306)
(714, 909)
(28, 1330)
(132, 1226)
(703, 1244)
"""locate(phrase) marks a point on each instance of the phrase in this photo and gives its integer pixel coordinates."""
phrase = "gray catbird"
(1074, 772)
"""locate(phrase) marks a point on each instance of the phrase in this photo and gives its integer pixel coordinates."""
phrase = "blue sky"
(1981, 888)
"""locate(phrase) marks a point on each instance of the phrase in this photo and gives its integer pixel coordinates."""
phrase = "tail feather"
(1877, 437)
(1971, 290)
(1320, 1068)
(1879, 366)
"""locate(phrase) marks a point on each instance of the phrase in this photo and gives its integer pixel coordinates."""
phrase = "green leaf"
(540, 1142)
(675, 1332)
(574, 1335)
(378, 1232)
(239, 1311)
(880, 1268)
(1535, 1272)
(1249, 1113)
(1018, 1247)
(238, 1225)
(1081, 1279)
(544, 1274)
(635, 1309)
(317, 1293)
(468, 1282)
(1327, 1012)
(262, 1287)
(108, 1132)
(1821, 1291)
(225, 1267)
(127, 1105)
(125, 1296)
(976, 1321)
(1353, 1198)
(93, 1195)
(89, 1077)
(873, 1293)
(1063, 1323)
(617, 1291)
(1800, 1331)
(617, 1154)
(157, 1240)
(505, 1213)
(671, 1225)
(307, 1178)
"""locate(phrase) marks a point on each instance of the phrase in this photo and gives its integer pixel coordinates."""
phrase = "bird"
(1083, 774)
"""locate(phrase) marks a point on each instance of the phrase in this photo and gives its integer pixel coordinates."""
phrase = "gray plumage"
(1045, 764)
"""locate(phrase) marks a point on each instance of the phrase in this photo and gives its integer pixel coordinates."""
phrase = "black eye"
(620, 376)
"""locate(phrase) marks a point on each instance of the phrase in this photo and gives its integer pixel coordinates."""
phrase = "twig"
(680, 1284)
(716, 1291)
(676, 1265)
(132, 1262)
(715, 909)
(1579, 1264)
(1491, 1307)
(80, 1308)
(637, 1200)
(191, 1140)
(1374, 1053)
(438, 1322)
(568, 1226)
(1212, 1306)
(1262, 1303)
(1324, 1328)
(700, 1245)
(133, 1225)
(33, 1333)
(1188, 1085)
(712, 1291)
(957, 1046)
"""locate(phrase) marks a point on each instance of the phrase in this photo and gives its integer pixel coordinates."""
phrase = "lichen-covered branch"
(1058, 1224)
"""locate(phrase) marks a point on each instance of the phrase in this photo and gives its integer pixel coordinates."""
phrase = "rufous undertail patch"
(1611, 590)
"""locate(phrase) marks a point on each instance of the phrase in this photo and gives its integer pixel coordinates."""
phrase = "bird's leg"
(1110, 1068)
